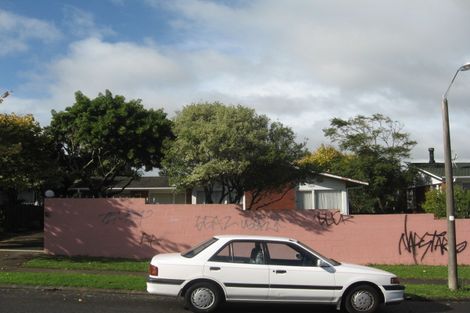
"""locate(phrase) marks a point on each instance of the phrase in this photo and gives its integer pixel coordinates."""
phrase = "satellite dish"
(49, 193)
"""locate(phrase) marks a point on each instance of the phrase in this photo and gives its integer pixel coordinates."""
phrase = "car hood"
(354, 268)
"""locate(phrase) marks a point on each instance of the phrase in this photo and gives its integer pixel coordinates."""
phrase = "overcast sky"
(299, 62)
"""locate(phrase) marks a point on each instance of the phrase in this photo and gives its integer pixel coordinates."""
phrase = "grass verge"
(436, 292)
(423, 271)
(87, 263)
(123, 282)
(136, 283)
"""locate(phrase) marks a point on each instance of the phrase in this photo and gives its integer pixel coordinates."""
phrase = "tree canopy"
(233, 148)
(105, 137)
(25, 159)
(24, 152)
(373, 149)
(371, 134)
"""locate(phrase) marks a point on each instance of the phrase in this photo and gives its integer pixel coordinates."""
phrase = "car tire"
(362, 299)
(202, 297)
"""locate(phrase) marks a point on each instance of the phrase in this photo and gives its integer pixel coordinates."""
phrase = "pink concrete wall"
(130, 228)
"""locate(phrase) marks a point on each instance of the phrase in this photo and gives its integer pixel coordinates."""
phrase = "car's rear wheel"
(202, 297)
(362, 299)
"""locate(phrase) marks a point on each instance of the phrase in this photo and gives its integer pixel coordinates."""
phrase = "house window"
(304, 200)
(328, 199)
(200, 197)
(216, 195)
(161, 198)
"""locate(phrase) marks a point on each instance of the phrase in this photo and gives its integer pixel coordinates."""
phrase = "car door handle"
(280, 271)
(214, 268)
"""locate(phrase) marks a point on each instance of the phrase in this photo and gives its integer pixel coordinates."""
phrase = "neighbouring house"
(324, 191)
(155, 189)
(431, 175)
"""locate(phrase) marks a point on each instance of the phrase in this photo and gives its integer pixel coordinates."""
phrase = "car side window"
(223, 255)
(241, 252)
(285, 254)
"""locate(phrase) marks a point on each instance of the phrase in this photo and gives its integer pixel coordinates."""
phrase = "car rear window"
(199, 248)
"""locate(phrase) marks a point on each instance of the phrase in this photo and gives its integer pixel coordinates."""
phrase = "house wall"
(131, 229)
(275, 201)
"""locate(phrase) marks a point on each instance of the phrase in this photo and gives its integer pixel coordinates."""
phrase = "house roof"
(145, 182)
(162, 182)
(436, 170)
(349, 181)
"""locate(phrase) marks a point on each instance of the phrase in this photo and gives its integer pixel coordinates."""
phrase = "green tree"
(106, 137)
(377, 146)
(25, 157)
(435, 202)
(233, 148)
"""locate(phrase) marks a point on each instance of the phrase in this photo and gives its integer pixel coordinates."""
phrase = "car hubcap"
(202, 298)
(362, 300)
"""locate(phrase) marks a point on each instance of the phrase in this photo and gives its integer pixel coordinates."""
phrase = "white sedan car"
(271, 269)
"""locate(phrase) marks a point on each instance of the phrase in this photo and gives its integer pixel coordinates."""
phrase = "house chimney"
(431, 156)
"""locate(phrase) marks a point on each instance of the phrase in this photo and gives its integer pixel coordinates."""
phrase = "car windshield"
(198, 248)
(331, 261)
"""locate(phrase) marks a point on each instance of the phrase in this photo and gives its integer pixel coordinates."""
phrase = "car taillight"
(395, 280)
(153, 270)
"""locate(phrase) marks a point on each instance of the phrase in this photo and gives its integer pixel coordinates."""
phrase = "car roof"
(254, 237)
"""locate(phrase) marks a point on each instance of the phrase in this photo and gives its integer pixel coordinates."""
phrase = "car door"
(294, 275)
(240, 266)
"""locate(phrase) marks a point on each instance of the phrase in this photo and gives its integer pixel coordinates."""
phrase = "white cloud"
(17, 32)
(300, 62)
(82, 23)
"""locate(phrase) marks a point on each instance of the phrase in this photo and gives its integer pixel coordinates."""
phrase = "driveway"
(33, 240)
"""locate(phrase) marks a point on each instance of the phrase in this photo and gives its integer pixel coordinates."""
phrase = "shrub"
(436, 202)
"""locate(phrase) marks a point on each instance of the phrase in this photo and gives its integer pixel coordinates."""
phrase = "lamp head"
(465, 67)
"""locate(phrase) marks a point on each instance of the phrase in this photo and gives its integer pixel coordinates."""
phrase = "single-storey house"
(431, 175)
(324, 191)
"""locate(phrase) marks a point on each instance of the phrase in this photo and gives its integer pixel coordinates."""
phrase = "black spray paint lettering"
(329, 218)
(213, 222)
(148, 239)
(411, 242)
(126, 216)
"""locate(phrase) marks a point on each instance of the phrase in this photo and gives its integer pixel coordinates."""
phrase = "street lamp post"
(450, 206)
(4, 95)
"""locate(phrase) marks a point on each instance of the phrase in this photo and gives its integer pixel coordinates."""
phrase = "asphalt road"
(28, 300)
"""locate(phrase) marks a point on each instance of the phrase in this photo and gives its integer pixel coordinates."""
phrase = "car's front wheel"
(362, 299)
(202, 297)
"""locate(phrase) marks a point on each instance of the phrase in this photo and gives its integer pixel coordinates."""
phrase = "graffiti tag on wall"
(127, 216)
(130, 217)
(329, 218)
(413, 243)
(216, 223)
(271, 222)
